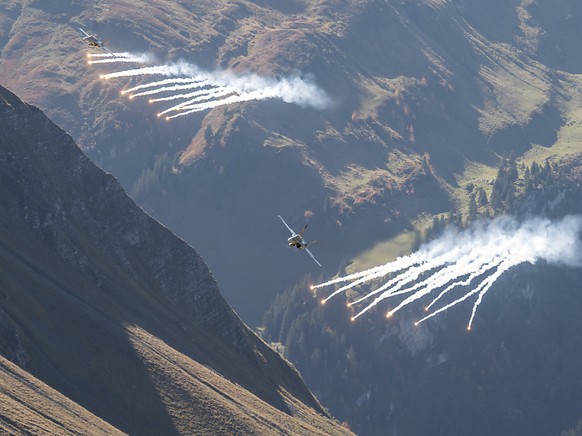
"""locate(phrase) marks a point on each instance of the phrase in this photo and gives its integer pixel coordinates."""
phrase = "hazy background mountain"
(113, 311)
(427, 95)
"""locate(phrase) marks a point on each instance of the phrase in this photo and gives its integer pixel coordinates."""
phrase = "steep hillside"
(427, 94)
(515, 371)
(106, 306)
(28, 406)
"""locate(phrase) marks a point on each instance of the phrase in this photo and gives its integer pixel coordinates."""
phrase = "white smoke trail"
(493, 264)
(130, 60)
(401, 280)
(161, 83)
(193, 85)
(187, 95)
(300, 91)
(229, 100)
(105, 55)
(482, 288)
(203, 95)
(397, 265)
(217, 94)
(480, 254)
(106, 58)
(260, 94)
(174, 70)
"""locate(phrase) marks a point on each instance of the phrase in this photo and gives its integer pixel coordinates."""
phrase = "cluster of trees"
(575, 431)
(513, 188)
(150, 178)
(330, 351)
(359, 370)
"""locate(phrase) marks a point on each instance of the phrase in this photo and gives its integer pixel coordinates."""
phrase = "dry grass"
(200, 401)
(29, 406)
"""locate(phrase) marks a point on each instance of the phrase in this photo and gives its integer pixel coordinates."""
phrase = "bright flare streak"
(494, 264)
(482, 253)
(134, 60)
(403, 279)
(188, 95)
(160, 70)
(109, 55)
(216, 96)
(349, 277)
(186, 105)
(256, 95)
(193, 85)
(483, 287)
(296, 90)
(373, 273)
(163, 82)
(461, 268)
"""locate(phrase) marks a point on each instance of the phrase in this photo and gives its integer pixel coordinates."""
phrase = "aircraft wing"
(290, 229)
(107, 50)
(86, 34)
(312, 256)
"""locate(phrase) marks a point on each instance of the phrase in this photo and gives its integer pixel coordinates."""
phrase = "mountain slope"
(106, 306)
(427, 95)
(28, 406)
(516, 371)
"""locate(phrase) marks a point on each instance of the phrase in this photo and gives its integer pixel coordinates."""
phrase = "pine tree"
(472, 209)
(527, 182)
(482, 198)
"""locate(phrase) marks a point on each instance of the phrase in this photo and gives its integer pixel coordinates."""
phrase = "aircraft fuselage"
(92, 42)
(296, 241)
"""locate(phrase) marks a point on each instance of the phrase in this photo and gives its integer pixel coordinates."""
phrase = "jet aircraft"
(93, 41)
(296, 240)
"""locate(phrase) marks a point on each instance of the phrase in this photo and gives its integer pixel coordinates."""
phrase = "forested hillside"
(515, 372)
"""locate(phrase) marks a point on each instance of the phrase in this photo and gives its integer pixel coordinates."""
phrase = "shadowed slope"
(95, 293)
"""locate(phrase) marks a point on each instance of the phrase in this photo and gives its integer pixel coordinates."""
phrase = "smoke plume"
(472, 259)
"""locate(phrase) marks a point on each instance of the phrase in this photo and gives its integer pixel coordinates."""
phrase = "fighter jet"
(296, 240)
(93, 41)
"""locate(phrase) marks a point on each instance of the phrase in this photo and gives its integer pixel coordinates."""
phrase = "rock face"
(109, 308)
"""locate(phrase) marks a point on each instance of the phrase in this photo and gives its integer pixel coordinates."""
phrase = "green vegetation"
(152, 179)
(574, 431)
(359, 369)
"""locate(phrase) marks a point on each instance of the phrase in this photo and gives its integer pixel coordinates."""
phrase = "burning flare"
(474, 259)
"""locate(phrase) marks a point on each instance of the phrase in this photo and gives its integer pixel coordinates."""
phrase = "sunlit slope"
(28, 406)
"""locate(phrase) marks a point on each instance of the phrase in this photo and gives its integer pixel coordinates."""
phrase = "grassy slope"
(192, 398)
(75, 290)
(29, 406)
(125, 374)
